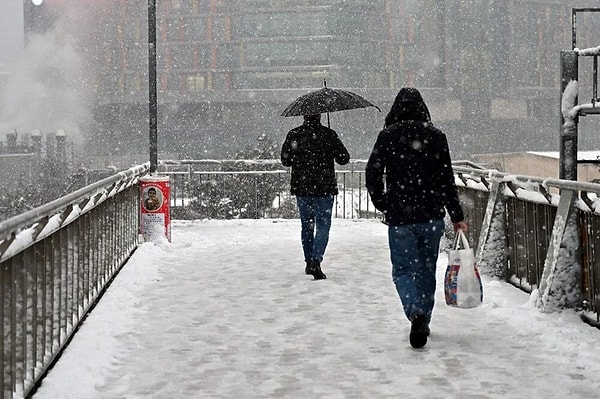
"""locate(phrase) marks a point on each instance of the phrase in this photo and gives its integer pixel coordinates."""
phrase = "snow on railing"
(588, 51)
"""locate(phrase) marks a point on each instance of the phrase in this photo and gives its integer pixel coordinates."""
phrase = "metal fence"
(55, 262)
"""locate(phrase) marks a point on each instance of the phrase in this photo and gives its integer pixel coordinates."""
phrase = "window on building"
(196, 82)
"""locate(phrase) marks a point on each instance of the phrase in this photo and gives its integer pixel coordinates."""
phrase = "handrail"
(23, 220)
(542, 181)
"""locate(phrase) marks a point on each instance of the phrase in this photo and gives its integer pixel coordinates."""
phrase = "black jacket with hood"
(311, 150)
(414, 157)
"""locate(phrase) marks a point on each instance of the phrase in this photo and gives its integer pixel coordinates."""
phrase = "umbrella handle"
(325, 85)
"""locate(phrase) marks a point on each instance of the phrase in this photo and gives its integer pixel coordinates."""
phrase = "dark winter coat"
(311, 150)
(414, 157)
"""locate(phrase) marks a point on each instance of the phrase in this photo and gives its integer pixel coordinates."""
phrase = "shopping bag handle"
(461, 238)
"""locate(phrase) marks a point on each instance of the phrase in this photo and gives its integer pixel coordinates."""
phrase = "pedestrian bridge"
(537, 234)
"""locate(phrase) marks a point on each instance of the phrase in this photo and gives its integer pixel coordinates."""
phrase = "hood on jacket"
(408, 106)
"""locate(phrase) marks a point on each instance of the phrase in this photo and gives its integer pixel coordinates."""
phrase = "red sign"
(155, 209)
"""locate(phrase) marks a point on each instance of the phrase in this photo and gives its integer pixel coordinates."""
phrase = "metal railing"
(55, 262)
(539, 234)
(229, 189)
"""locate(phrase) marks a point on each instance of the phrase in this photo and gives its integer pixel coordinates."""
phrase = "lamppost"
(153, 107)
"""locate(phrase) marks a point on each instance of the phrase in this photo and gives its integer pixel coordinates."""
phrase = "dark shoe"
(419, 331)
(315, 270)
(307, 268)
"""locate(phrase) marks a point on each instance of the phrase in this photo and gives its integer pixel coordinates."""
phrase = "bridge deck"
(225, 311)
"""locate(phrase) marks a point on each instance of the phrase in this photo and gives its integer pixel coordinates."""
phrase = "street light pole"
(152, 98)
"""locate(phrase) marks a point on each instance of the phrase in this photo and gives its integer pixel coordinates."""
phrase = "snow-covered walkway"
(225, 311)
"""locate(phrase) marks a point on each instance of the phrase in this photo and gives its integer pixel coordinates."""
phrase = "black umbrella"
(326, 100)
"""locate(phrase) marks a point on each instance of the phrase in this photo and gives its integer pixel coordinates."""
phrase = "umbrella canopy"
(326, 100)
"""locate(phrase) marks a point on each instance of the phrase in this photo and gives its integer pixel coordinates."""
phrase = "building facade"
(488, 69)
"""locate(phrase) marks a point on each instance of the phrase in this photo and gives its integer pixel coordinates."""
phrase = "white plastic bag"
(462, 283)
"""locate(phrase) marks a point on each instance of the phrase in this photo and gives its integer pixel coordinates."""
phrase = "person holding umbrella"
(413, 158)
(312, 150)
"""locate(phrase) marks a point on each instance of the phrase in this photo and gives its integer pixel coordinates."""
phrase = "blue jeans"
(315, 217)
(414, 251)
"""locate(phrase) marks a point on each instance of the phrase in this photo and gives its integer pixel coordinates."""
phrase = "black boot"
(315, 270)
(307, 268)
(419, 331)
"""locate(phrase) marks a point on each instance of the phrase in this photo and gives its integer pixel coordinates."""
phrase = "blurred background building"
(488, 69)
(11, 38)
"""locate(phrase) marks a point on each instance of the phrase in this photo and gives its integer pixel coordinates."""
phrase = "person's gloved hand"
(461, 226)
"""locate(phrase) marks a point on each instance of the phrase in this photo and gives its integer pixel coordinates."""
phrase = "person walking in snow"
(414, 157)
(311, 150)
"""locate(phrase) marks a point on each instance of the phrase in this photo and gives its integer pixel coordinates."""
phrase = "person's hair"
(151, 190)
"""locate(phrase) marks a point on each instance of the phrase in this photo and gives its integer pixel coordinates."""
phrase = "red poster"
(155, 209)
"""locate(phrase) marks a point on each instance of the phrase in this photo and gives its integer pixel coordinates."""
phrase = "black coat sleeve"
(288, 150)
(341, 154)
(374, 174)
(446, 183)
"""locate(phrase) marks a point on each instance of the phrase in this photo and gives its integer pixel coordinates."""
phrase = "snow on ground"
(226, 311)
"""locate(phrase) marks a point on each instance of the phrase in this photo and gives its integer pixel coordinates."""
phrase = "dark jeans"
(414, 251)
(315, 216)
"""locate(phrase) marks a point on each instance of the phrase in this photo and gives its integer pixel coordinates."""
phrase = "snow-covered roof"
(581, 155)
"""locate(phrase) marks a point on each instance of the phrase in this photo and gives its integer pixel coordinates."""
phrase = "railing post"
(492, 238)
(561, 268)
(569, 70)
